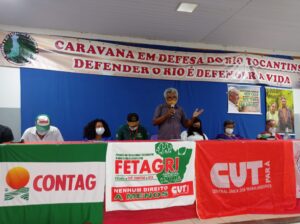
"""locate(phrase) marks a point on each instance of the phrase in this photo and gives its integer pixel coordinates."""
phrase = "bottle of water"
(286, 133)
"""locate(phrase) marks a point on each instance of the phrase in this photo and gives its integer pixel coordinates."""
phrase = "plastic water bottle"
(286, 133)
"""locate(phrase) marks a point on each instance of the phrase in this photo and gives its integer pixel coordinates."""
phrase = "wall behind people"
(10, 113)
(71, 100)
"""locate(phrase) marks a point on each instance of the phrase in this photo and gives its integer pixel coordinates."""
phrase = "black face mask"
(195, 128)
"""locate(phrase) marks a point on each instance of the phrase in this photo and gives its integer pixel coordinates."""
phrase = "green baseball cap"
(42, 122)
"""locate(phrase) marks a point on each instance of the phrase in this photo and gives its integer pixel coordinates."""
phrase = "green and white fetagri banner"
(101, 58)
(149, 175)
(52, 183)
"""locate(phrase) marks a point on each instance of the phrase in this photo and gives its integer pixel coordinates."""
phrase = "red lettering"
(135, 162)
(35, 183)
(78, 63)
(71, 177)
(177, 163)
(69, 47)
(169, 162)
(59, 44)
(118, 166)
(90, 182)
(145, 167)
(101, 49)
(127, 167)
(60, 183)
(79, 183)
(48, 183)
(91, 50)
(80, 48)
(157, 165)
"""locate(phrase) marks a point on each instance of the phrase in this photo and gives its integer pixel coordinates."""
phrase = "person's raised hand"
(197, 112)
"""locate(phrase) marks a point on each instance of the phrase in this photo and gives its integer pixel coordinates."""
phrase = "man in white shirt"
(233, 100)
(42, 131)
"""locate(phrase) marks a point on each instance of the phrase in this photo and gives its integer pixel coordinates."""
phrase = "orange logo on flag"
(17, 178)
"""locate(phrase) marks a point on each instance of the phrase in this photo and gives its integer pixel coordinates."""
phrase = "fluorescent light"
(186, 7)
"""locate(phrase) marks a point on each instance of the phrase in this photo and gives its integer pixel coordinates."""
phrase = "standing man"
(285, 116)
(42, 131)
(169, 116)
(6, 134)
(132, 130)
(233, 100)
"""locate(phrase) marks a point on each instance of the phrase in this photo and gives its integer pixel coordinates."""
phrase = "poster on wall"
(243, 99)
(149, 175)
(280, 108)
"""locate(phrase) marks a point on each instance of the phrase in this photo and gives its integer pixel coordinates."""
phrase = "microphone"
(173, 107)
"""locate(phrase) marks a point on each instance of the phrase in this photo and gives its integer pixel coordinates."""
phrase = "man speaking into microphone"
(169, 116)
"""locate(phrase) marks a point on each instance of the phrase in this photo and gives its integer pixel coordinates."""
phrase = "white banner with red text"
(101, 58)
(149, 175)
(51, 183)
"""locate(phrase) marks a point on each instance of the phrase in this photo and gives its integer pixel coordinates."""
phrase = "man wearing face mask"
(270, 132)
(42, 131)
(228, 132)
(169, 116)
(132, 130)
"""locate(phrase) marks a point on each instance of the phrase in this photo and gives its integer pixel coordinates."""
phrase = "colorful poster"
(52, 183)
(149, 175)
(280, 107)
(232, 182)
(243, 99)
(88, 56)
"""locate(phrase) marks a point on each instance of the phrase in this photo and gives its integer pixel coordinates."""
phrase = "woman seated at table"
(194, 133)
(97, 130)
(228, 132)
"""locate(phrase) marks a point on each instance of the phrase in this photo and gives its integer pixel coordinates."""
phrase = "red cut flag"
(240, 177)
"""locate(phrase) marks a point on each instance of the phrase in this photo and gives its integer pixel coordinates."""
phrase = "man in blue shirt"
(169, 116)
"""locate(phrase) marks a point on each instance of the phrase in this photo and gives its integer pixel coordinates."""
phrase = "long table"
(64, 183)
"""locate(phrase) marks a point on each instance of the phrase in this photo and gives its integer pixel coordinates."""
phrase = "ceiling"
(265, 24)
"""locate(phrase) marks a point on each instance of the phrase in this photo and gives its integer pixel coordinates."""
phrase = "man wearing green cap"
(42, 131)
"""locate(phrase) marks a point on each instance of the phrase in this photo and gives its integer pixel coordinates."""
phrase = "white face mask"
(42, 133)
(100, 131)
(272, 130)
(229, 131)
(133, 128)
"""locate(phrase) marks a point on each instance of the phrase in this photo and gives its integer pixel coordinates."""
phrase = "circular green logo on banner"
(19, 48)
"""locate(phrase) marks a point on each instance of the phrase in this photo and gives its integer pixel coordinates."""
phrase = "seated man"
(132, 130)
(6, 134)
(42, 131)
(270, 132)
(228, 132)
